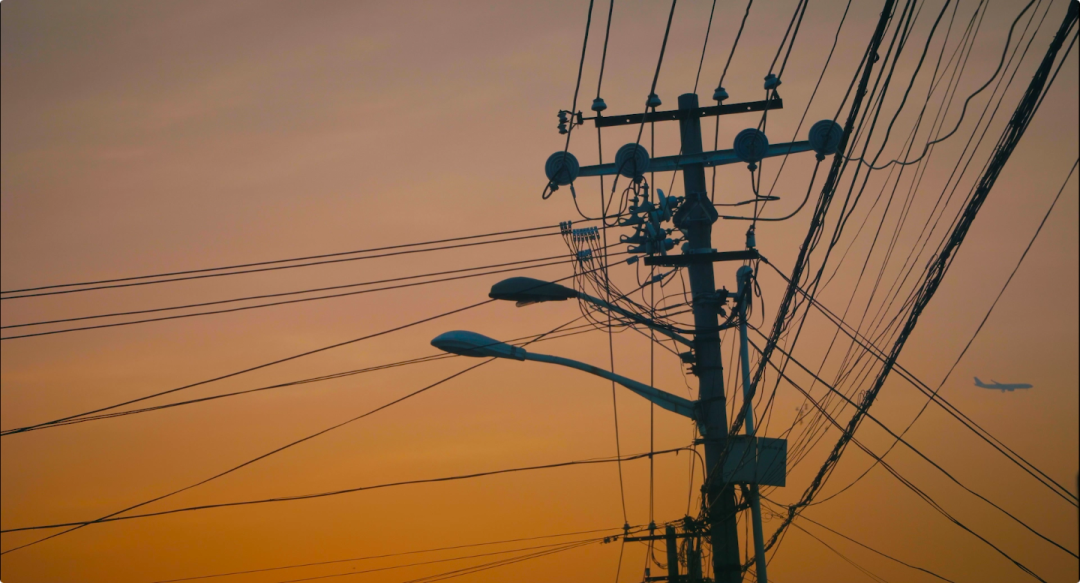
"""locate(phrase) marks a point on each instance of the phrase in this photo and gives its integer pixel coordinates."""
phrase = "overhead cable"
(187, 275)
(389, 555)
(585, 462)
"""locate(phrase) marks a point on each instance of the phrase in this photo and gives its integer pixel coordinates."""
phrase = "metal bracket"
(694, 258)
(676, 114)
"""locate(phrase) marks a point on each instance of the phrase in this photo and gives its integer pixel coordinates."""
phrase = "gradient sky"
(143, 137)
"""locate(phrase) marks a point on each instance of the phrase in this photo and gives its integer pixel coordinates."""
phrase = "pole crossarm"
(707, 159)
(673, 403)
(677, 114)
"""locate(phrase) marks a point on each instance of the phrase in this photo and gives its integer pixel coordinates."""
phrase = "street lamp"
(477, 345)
(526, 290)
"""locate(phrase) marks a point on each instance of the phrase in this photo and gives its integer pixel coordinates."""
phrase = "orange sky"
(150, 137)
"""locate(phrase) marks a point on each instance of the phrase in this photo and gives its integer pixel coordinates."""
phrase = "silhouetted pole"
(672, 556)
(696, 216)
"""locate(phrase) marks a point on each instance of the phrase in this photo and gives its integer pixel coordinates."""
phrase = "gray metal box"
(755, 460)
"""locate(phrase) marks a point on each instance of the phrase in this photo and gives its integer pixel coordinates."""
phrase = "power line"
(282, 448)
(294, 259)
(390, 555)
(492, 565)
(849, 561)
(286, 302)
(862, 409)
(247, 370)
(559, 547)
(983, 434)
(704, 45)
(291, 293)
(264, 365)
(869, 548)
(294, 498)
(571, 331)
(932, 396)
(794, 508)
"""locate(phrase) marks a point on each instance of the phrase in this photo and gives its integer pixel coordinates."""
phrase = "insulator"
(653, 101)
(562, 168)
(584, 254)
(632, 160)
(598, 105)
(825, 137)
(720, 94)
(562, 129)
(751, 145)
(771, 82)
(562, 117)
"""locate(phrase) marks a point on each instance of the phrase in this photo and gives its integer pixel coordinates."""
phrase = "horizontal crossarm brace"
(717, 158)
(694, 258)
(676, 114)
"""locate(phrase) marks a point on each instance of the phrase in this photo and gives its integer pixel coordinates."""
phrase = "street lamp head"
(477, 345)
(526, 290)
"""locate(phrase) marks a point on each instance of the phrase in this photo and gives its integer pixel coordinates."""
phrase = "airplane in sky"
(1000, 386)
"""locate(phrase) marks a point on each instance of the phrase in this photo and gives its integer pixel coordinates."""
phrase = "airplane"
(1000, 386)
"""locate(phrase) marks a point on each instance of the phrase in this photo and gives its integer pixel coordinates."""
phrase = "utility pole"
(672, 555)
(695, 217)
(759, 460)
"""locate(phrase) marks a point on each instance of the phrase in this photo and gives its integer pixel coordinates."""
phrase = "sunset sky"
(152, 137)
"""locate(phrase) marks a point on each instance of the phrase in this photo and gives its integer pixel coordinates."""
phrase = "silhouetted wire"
(846, 559)
(289, 445)
(558, 547)
(986, 436)
(493, 565)
(264, 365)
(260, 270)
(879, 458)
(282, 294)
(794, 508)
(286, 302)
(934, 394)
(716, 135)
(869, 548)
(735, 43)
(963, 111)
(571, 331)
(577, 85)
(390, 555)
(603, 55)
(798, 25)
(704, 45)
(585, 462)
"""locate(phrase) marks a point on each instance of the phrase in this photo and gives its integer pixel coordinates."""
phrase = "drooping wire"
(116, 515)
(261, 366)
(297, 497)
(187, 275)
(734, 45)
(283, 294)
(388, 555)
(708, 29)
